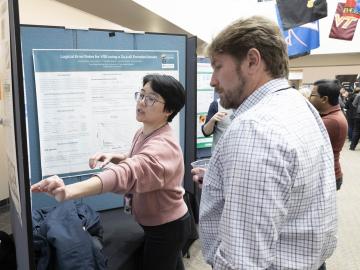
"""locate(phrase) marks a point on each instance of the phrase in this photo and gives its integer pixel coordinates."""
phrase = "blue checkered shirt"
(268, 198)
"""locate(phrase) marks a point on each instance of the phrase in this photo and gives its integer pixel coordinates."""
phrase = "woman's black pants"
(163, 244)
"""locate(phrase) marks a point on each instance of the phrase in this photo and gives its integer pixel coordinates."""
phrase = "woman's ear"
(167, 112)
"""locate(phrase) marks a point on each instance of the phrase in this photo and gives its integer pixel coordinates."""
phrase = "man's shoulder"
(252, 122)
(334, 115)
(335, 121)
(287, 115)
(272, 110)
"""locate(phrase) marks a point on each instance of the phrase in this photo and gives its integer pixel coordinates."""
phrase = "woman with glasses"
(150, 175)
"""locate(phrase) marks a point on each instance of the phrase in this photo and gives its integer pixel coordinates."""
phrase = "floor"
(346, 255)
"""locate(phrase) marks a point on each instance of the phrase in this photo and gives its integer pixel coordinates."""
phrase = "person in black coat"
(355, 136)
(351, 111)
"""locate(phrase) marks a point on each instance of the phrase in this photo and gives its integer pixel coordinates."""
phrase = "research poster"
(85, 102)
(205, 95)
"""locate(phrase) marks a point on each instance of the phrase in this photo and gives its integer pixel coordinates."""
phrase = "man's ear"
(324, 99)
(254, 59)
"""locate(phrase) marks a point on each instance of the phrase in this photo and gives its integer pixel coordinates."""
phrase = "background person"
(343, 96)
(351, 111)
(356, 129)
(217, 120)
(325, 98)
(152, 173)
(305, 91)
(268, 199)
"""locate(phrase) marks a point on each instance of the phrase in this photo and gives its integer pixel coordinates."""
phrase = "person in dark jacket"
(351, 111)
(356, 129)
(342, 98)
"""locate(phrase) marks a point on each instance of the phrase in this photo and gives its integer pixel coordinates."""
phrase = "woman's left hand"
(54, 186)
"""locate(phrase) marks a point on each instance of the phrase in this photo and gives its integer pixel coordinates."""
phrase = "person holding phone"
(217, 120)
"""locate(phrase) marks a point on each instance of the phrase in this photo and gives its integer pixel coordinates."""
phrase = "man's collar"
(331, 110)
(268, 88)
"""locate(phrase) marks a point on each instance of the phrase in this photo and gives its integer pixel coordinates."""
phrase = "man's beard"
(233, 98)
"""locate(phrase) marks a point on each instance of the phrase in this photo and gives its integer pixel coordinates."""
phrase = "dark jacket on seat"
(68, 236)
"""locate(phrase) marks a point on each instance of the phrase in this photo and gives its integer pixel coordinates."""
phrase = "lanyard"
(282, 89)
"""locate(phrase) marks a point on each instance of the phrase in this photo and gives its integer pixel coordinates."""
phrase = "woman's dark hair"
(330, 89)
(170, 90)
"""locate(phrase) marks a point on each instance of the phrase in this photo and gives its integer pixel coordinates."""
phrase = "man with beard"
(268, 198)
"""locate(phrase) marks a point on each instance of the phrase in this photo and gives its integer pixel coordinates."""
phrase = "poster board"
(85, 102)
(205, 95)
(56, 38)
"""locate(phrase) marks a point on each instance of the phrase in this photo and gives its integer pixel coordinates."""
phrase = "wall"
(311, 75)
(42, 12)
(315, 67)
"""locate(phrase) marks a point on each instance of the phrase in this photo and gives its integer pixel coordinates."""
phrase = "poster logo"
(165, 59)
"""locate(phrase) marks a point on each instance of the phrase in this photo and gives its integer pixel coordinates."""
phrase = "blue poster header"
(103, 60)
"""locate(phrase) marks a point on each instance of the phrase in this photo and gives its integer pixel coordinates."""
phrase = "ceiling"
(200, 18)
(130, 15)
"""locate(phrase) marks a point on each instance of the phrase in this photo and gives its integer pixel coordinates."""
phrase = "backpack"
(7, 252)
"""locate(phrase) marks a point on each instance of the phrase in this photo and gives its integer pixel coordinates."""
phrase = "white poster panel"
(7, 127)
(85, 101)
(205, 95)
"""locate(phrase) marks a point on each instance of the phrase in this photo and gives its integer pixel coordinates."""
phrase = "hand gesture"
(54, 186)
(105, 158)
(218, 116)
(198, 175)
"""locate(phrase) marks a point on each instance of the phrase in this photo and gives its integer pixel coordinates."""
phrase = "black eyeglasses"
(149, 100)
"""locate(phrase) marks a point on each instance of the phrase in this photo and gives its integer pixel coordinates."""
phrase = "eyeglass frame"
(314, 95)
(140, 97)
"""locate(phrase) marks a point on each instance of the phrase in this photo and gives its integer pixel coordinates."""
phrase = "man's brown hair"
(254, 32)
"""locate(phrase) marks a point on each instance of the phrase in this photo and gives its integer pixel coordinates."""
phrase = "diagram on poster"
(85, 102)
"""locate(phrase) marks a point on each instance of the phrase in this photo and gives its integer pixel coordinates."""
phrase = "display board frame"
(21, 223)
(48, 37)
